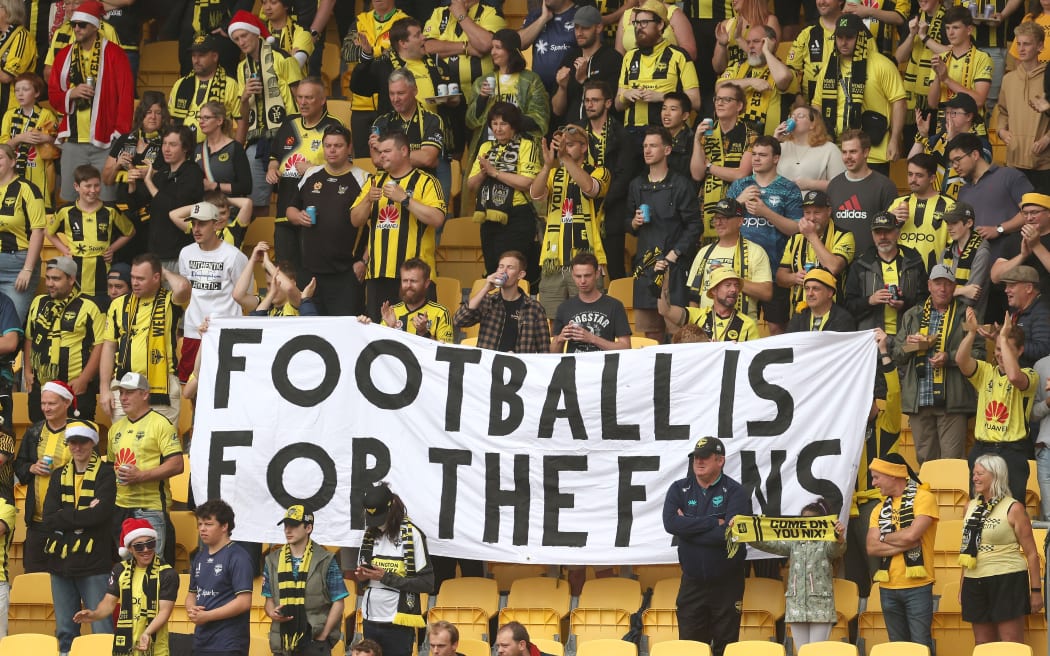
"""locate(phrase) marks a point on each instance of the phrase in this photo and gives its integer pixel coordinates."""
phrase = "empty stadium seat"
(186, 538)
(680, 648)
(507, 573)
(1002, 649)
(642, 342)
(606, 647)
(949, 481)
(900, 649)
(660, 620)
(539, 603)
(260, 229)
(622, 289)
(754, 648)
(951, 634)
(459, 254)
(650, 575)
(552, 647)
(764, 606)
(827, 648)
(471, 647)
(946, 554)
(469, 603)
(158, 66)
(847, 603)
(180, 483)
(1035, 632)
(97, 644)
(31, 609)
(340, 110)
(449, 293)
(1031, 497)
(605, 608)
(871, 624)
(30, 643)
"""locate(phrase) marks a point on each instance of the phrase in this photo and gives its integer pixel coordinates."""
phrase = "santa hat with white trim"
(63, 389)
(83, 429)
(89, 11)
(131, 530)
(245, 20)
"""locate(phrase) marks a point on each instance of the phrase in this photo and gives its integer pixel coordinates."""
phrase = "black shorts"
(996, 598)
(776, 309)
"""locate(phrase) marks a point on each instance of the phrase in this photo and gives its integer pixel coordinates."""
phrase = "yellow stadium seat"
(600, 623)
(471, 647)
(552, 647)
(660, 625)
(642, 342)
(179, 622)
(650, 575)
(472, 331)
(330, 68)
(763, 607)
(185, 418)
(16, 552)
(458, 254)
(20, 413)
(260, 229)
(899, 176)
(365, 163)
(180, 484)
(515, 12)
(340, 110)
(900, 649)
(946, 554)
(846, 605)
(871, 624)
(951, 633)
(665, 593)
(828, 648)
(96, 644)
(457, 183)
(186, 537)
(604, 609)
(30, 643)
(158, 66)
(471, 621)
(622, 289)
(1031, 497)
(469, 603)
(507, 573)
(949, 480)
(606, 647)
(1035, 632)
(612, 592)
(540, 592)
(31, 609)
(469, 341)
(680, 648)
(540, 622)
(754, 648)
(1002, 649)
(449, 292)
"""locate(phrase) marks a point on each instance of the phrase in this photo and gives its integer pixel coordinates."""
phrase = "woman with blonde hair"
(222, 158)
(808, 156)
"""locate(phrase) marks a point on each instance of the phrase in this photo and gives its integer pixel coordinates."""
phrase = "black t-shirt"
(605, 317)
(184, 186)
(605, 65)
(333, 244)
(508, 340)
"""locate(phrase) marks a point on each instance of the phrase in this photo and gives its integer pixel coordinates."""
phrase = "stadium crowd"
(743, 162)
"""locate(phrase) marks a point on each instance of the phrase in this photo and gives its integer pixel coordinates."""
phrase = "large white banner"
(541, 459)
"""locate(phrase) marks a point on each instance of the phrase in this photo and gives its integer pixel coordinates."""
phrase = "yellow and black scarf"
(58, 543)
(495, 199)
(123, 638)
(921, 357)
(210, 15)
(79, 71)
(160, 330)
(759, 528)
(268, 110)
(852, 89)
(971, 535)
(740, 260)
(291, 587)
(186, 91)
(914, 566)
(966, 257)
(50, 322)
(409, 611)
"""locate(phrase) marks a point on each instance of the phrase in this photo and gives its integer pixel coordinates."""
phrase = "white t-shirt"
(212, 276)
(380, 601)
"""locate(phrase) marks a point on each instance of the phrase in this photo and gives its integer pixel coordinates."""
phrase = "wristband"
(1039, 590)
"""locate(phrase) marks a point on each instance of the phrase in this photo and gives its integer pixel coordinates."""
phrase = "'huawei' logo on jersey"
(566, 211)
(290, 164)
(997, 412)
(125, 457)
(388, 216)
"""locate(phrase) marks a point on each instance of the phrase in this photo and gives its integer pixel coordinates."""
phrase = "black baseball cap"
(296, 515)
(816, 198)
(728, 207)
(708, 446)
(377, 505)
(960, 212)
(204, 43)
(884, 221)
(963, 101)
(850, 25)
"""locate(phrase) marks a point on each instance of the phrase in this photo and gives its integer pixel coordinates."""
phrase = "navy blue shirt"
(701, 539)
(556, 38)
(216, 579)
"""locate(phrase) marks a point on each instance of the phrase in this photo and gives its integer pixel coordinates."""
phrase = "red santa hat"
(89, 11)
(245, 20)
(63, 389)
(131, 530)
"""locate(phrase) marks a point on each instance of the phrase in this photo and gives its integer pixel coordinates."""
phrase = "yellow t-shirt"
(883, 87)
(756, 269)
(439, 321)
(973, 67)
(925, 504)
(890, 276)
(443, 27)
(28, 163)
(375, 30)
(720, 329)
(8, 515)
(145, 443)
(1002, 409)
(528, 163)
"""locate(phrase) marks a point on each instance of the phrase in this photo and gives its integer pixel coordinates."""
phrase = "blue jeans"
(1042, 474)
(70, 595)
(11, 264)
(157, 520)
(261, 189)
(909, 613)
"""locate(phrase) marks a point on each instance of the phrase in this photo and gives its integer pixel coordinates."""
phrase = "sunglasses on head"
(148, 545)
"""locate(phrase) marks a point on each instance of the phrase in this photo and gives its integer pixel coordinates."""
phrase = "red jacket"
(113, 104)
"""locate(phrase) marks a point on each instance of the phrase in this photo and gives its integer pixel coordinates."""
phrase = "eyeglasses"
(1027, 213)
(722, 100)
(643, 22)
(80, 25)
(205, 117)
(954, 161)
(148, 545)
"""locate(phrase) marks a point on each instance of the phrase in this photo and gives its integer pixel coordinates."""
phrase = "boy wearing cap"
(78, 518)
(819, 245)
(746, 258)
(118, 281)
(90, 232)
(304, 590)
(885, 280)
(934, 394)
(819, 311)
(396, 566)
(721, 321)
(968, 257)
(92, 64)
(696, 510)
(63, 339)
(207, 82)
(961, 116)
(212, 268)
(920, 214)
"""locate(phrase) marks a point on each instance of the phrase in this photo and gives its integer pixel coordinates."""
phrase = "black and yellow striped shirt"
(664, 68)
(89, 235)
(21, 212)
(463, 69)
(17, 56)
(439, 321)
(62, 335)
(395, 234)
(716, 9)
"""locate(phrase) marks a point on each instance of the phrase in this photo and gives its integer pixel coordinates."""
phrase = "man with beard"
(590, 59)
(885, 280)
(765, 106)
(920, 214)
(415, 313)
(720, 320)
(207, 82)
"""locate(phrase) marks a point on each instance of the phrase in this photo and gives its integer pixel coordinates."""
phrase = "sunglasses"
(80, 25)
(148, 545)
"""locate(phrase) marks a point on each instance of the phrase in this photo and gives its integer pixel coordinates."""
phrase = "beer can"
(647, 215)
(48, 461)
(311, 211)
(790, 125)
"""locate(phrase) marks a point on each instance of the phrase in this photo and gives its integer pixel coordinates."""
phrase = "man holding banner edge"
(697, 510)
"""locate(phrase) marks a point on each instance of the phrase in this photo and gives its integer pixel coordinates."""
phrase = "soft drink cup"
(442, 89)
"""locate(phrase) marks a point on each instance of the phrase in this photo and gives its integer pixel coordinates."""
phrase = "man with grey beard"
(765, 105)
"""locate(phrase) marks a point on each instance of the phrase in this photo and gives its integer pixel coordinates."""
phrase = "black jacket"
(69, 525)
(865, 277)
(839, 320)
